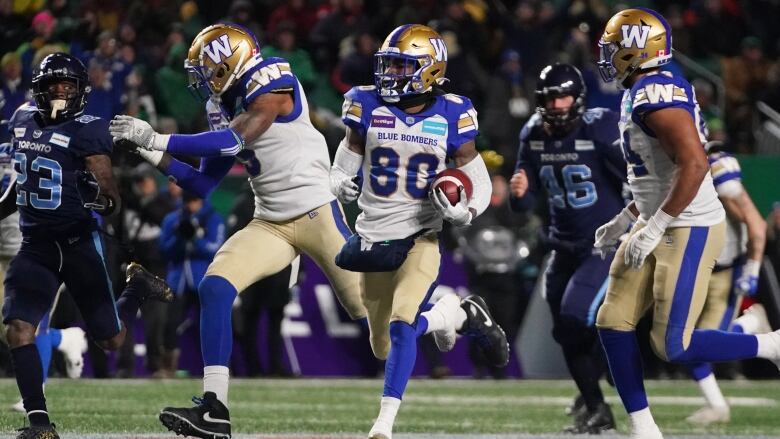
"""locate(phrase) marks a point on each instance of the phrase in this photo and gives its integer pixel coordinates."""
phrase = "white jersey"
(727, 176)
(650, 170)
(289, 165)
(403, 153)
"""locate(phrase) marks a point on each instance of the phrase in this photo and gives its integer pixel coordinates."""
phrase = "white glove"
(608, 235)
(459, 214)
(138, 132)
(747, 282)
(345, 189)
(646, 240)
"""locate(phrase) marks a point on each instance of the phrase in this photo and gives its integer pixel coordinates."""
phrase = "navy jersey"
(46, 158)
(582, 173)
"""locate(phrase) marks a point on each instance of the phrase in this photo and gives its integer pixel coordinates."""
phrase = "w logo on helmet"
(635, 36)
(219, 48)
(439, 48)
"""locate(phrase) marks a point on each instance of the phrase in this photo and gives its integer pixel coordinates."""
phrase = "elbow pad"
(482, 188)
(346, 165)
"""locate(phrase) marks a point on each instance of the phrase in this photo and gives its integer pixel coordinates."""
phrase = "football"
(449, 180)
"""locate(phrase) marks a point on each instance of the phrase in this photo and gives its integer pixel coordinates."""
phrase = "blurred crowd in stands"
(135, 49)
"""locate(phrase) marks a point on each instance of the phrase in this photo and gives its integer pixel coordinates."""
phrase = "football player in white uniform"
(259, 115)
(735, 276)
(668, 258)
(400, 134)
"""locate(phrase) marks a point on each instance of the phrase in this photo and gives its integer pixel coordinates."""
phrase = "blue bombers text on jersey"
(582, 173)
(402, 155)
(46, 158)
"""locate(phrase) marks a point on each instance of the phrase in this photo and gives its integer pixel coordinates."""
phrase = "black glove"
(186, 229)
(89, 192)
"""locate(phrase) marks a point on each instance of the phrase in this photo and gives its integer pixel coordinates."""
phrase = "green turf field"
(325, 406)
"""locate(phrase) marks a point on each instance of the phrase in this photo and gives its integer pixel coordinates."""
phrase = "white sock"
(388, 408)
(436, 320)
(216, 379)
(642, 420)
(748, 322)
(711, 391)
(767, 346)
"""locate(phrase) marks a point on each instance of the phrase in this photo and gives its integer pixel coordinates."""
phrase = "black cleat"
(209, 419)
(489, 336)
(154, 287)
(600, 420)
(38, 432)
(577, 406)
(596, 421)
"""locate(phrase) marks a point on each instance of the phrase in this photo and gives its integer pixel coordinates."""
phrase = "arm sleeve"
(482, 187)
(207, 246)
(200, 181)
(224, 142)
(527, 201)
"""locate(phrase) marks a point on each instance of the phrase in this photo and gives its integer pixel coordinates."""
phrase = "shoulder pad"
(533, 122)
(660, 89)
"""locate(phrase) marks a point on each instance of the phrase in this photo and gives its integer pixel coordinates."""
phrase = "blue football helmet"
(560, 80)
(55, 68)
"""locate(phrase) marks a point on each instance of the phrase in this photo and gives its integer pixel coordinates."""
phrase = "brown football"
(449, 180)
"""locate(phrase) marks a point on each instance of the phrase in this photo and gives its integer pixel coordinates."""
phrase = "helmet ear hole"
(222, 70)
(627, 57)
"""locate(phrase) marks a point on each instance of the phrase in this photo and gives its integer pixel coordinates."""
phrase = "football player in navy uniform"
(572, 152)
(63, 175)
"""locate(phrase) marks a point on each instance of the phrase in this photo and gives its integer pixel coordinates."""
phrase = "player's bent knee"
(609, 317)
(216, 289)
(573, 331)
(380, 346)
(20, 333)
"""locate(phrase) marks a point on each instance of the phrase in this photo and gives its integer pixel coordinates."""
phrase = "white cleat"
(710, 415)
(447, 305)
(73, 346)
(19, 407)
(381, 430)
(649, 433)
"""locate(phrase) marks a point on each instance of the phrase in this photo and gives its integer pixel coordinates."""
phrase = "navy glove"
(89, 192)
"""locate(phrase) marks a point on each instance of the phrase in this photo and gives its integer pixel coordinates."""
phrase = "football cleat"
(489, 336)
(576, 406)
(710, 415)
(209, 419)
(38, 432)
(155, 286)
(73, 346)
(650, 433)
(600, 420)
(381, 430)
(758, 311)
(447, 305)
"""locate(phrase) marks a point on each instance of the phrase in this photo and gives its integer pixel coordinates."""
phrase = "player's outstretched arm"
(199, 181)
(246, 127)
(346, 164)
(107, 200)
(741, 207)
(678, 137)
